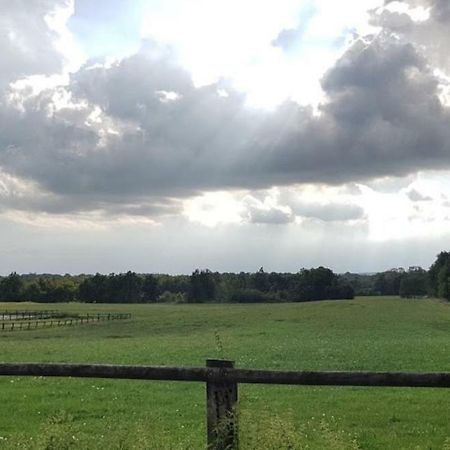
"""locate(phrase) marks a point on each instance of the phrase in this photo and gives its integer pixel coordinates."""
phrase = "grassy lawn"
(363, 334)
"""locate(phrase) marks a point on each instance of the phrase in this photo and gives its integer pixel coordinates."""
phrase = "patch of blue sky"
(306, 14)
(105, 28)
(341, 41)
(290, 39)
(327, 42)
(299, 40)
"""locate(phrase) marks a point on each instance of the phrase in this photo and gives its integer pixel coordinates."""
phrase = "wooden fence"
(30, 322)
(24, 314)
(222, 380)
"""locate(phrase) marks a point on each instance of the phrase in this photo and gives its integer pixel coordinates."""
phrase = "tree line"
(206, 286)
(201, 286)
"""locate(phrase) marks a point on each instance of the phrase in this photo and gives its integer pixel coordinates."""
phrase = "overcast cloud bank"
(133, 136)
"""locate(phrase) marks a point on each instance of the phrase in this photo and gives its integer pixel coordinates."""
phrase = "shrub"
(172, 297)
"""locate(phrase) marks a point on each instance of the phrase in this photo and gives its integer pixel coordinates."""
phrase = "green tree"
(444, 282)
(202, 286)
(32, 292)
(11, 288)
(260, 280)
(124, 288)
(388, 283)
(414, 284)
(437, 277)
(150, 288)
(94, 289)
(320, 284)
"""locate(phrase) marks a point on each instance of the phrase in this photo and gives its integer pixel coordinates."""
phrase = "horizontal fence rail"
(25, 315)
(227, 375)
(33, 322)
(222, 380)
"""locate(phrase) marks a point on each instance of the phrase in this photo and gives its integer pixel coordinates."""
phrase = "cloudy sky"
(165, 135)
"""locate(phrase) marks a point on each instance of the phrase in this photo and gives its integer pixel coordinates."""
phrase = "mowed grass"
(380, 334)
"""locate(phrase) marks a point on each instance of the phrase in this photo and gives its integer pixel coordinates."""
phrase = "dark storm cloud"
(129, 89)
(158, 136)
(114, 206)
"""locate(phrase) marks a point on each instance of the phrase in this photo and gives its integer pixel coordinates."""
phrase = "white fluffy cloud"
(34, 39)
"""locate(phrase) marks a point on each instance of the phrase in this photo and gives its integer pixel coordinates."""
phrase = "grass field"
(363, 334)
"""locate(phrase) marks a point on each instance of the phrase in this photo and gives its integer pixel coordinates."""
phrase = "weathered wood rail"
(29, 322)
(222, 380)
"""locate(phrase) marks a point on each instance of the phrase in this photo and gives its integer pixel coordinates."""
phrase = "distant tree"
(380, 286)
(150, 288)
(388, 283)
(202, 286)
(278, 281)
(314, 284)
(173, 283)
(242, 280)
(260, 280)
(32, 292)
(94, 289)
(438, 276)
(11, 288)
(124, 288)
(444, 282)
(320, 284)
(63, 290)
(362, 284)
(51, 290)
(414, 283)
(342, 290)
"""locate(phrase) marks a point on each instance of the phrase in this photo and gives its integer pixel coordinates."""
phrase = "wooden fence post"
(221, 414)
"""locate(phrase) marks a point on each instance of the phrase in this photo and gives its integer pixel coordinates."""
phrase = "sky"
(163, 136)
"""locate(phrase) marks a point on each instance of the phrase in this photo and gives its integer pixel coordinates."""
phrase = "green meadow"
(374, 334)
